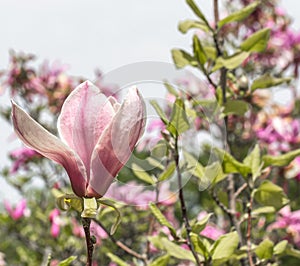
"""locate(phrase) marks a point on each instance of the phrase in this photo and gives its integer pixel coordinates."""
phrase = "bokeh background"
(86, 35)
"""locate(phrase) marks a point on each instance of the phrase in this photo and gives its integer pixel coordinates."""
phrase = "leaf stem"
(182, 204)
(86, 223)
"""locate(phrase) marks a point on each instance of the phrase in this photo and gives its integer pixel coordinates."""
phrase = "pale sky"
(95, 33)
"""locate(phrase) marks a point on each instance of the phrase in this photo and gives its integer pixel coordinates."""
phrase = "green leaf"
(215, 172)
(160, 112)
(257, 42)
(182, 58)
(239, 15)
(160, 150)
(267, 81)
(269, 194)
(67, 261)
(117, 259)
(231, 165)
(281, 247)
(225, 246)
(263, 210)
(194, 167)
(231, 62)
(211, 52)
(112, 205)
(161, 261)
(235, 107)
(155, 163)
(90, 208)
(176, 251)
(265, 249)
(162, 219)
(141, 174)
(199, 226)
(290, 251)
(198, 12)
(199, 246)
(179, 121)
(186, 25)
(199, 52)
(171, 89)
(168, 172)
(280, 160)
(253, 160)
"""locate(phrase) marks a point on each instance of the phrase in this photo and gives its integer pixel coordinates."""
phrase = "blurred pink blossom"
(289, 221)
(211, 230)
(17, 212)
(20, 157)
(135, 194)
(55, 221)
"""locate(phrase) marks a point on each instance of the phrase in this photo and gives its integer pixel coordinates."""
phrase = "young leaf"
(182, 58)
(265, 249)
(199, 245)
(257, 42)
(254, 162)
(160, 112)
(198, 12)
(176, 251)
(171, 89)
(162, 219)
(179, 121)
(280, 160)
(141, 174)
(267, 81)
(231, 165)
(200, 225)
(263, 210)
(167, 172)
(231, 62)
(280, 247)
(199, 52)
(225, 246)
(239, 15)
(186, 25)
(117, 259)
(67, 261)
(290, 251)
(160, 149)
(236, 107)
(161, 261)
(269, 194)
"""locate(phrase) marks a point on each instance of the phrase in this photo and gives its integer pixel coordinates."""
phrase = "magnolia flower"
(97, 136)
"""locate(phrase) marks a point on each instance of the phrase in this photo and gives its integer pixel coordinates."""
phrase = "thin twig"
(121, 245)
(182, 203)
(240, 190)
(221, 205)
(86, 223)
(249, 228)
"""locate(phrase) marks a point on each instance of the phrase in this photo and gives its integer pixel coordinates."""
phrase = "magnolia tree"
(214, 179)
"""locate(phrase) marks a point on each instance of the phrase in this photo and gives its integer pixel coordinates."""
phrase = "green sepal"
(90, 208)
(68, 201)
(111, 204)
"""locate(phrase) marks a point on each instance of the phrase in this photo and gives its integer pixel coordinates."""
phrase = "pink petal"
(84, 115)
(116, 143)
(38, 138)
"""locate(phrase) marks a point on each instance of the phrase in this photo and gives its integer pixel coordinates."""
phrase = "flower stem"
(86, 223)
(183, 207)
